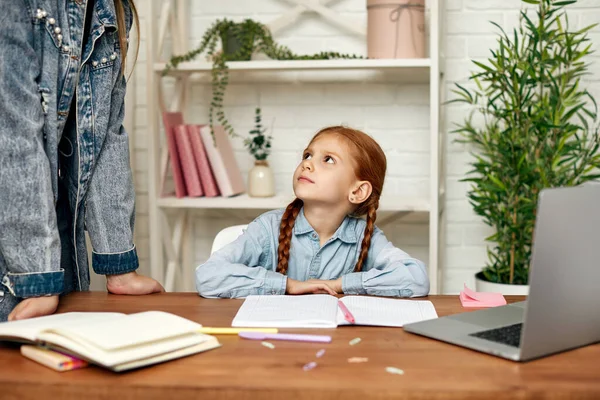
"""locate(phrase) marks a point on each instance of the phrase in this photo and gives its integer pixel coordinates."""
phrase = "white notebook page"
(386, 312)
(307, 311)
(129, 330)
(28, 328)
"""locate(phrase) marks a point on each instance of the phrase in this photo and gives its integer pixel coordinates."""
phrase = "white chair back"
(227, 236)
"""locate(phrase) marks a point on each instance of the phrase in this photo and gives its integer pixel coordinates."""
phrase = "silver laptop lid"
(563, 307)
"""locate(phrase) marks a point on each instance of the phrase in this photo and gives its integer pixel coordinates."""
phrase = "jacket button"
(104, 60)
(65, 48)
(95, 63)
(113, 56)
(51, 21)
(57, 30)
(59, 37)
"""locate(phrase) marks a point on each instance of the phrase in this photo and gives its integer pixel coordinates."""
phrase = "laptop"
(562, 310)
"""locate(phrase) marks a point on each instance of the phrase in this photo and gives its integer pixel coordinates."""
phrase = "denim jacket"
(247, 266)
(62, 174)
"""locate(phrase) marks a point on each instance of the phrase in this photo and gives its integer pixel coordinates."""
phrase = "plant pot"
(260, 180)
(482, 285)
(231, 46)
(396, 28)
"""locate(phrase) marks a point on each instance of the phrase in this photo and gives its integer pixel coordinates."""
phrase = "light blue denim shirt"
(247, 266)
(62, 172)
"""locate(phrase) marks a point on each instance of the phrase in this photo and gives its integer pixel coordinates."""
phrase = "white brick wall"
(396, 115)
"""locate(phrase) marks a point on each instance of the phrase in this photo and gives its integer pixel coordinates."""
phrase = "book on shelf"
(188, 163)
(202, 164)
(222, 160)
(114, 341)
(170, 120)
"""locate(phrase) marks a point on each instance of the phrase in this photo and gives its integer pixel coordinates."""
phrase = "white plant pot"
(482, 285)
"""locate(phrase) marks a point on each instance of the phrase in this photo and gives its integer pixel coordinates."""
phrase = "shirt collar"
(346, 232)
(106, 12)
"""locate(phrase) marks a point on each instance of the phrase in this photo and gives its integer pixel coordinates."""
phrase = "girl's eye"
(329, 159)
(306, 156)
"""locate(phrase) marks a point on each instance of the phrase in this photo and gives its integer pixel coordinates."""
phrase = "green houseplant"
(539, 130)
(260, 178)
(238, 42)
(257, 143)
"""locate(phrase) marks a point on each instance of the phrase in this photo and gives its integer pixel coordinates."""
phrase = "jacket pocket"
(44, 16)
(106, 57)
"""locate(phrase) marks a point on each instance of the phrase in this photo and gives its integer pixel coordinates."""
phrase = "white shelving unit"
(174, 241)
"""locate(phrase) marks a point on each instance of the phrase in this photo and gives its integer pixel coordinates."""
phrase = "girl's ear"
(360, 192)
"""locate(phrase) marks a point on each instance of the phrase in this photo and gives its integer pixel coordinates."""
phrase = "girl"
(64, 156)
(318, 244)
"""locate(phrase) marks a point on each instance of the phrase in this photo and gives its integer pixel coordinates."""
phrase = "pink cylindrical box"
(396, 28)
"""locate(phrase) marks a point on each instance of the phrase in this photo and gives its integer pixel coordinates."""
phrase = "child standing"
(318, 244)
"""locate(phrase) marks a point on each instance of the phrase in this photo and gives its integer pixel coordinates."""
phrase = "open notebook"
(322, 311)
(112, 340)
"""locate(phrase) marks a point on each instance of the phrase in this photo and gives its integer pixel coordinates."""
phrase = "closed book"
(222, 160)
(170, 120)
(188, 164)
(205, 172)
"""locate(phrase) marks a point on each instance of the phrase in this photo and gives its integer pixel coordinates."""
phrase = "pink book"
(170, 120)
(205, 172)
(222, 160)
(188, 164)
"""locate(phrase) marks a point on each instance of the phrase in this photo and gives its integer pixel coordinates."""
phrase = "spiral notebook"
(322, 311)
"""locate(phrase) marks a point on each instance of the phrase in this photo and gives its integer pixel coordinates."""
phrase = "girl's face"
(326, 173)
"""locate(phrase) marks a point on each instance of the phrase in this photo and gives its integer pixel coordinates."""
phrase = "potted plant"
(260, 178)
(238, 42)
(539, 130)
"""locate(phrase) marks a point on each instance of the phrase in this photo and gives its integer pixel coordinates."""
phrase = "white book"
(222, 161)
(112, 340)
(323, 311)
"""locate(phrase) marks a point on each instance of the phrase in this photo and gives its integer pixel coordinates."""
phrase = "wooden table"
(243, 369)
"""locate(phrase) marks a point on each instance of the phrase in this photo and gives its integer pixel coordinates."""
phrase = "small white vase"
(260, 180)
(481, 285)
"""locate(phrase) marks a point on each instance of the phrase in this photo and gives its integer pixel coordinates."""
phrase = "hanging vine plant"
(238, 42)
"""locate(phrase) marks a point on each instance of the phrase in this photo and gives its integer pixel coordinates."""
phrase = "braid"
(285, 234)
(366, 242)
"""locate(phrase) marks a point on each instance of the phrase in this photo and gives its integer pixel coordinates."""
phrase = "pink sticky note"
(470, 298)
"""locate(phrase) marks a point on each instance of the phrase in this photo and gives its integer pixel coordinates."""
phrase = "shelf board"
(408, 70)
(243, 201)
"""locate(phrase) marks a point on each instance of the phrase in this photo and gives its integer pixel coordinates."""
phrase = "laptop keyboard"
(510, 335)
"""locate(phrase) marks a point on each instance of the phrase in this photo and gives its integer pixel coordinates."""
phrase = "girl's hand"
(336, 285)
(132, 283)
(34, 307)
(314, 286)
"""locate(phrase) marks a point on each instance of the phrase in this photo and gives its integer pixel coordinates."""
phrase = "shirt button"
(314, 235)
